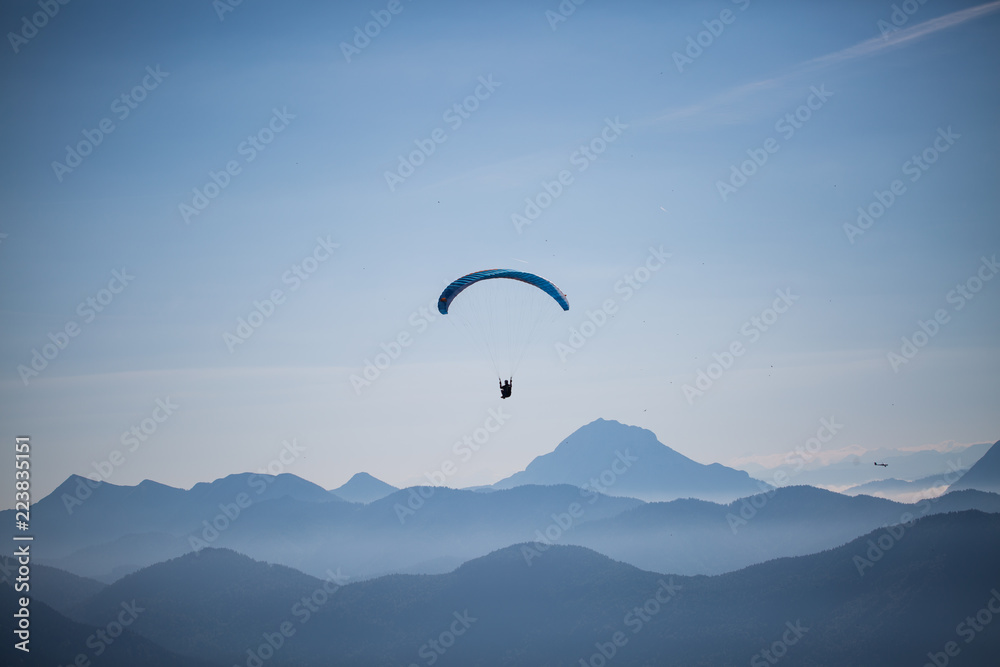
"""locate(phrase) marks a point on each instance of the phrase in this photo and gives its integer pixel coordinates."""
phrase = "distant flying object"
(503, 315)
(884, 465)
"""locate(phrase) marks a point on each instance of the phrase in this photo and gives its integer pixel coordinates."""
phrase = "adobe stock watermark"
(88, 310)
(962, 294)
(464, 449)
(698, 43)
(248, 149)
(914, 168)
(230, 512)
(381, 18)
(635, 620)
(122, 106)
(32, 23)
(302, 611)
(584, 156)
(565, 9)
(131, 440)
(627, 286)
(223, 7)
(968, 629)
(564, 521)
(265, 308)
(432, 650)
(899, 17)
(893, 533)
(787, 126)
(799, 457)
(454, 116)
(752, 330)
(779, 648)
(419, 320)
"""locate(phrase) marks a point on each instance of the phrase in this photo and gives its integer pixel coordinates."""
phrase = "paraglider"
(504, 309)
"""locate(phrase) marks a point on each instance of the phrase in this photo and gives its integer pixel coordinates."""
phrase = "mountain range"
(434, 529)
(895, 596)
(559, 564)
(105, 531)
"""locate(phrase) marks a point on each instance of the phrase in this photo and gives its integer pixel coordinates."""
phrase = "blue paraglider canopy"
(454, 289)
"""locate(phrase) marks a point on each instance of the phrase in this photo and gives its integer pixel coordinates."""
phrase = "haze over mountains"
(845, 469)
(903, 490)
(433, 529)
(106, 531)
(545, 567)
(890, 597)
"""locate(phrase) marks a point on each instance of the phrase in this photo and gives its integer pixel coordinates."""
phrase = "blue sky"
(343, 125)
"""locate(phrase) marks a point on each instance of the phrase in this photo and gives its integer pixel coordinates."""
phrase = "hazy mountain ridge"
(419, 529)
(423, 529)
(197, 601)
(896, 486)
(81, 512)
(568, 601)
(697, 537)
(984, 475)
(408, 532)
(116, 530)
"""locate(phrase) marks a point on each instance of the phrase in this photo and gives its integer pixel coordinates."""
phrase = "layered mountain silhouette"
(421, 529)
(105, 531)
(363, 488)
(434, 529)
(81, 512)
(697, 537)
(984, 475)
(891, 597)
(620, 460)
(275, 570)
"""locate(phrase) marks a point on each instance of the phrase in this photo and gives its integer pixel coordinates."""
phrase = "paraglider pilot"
(505, 388)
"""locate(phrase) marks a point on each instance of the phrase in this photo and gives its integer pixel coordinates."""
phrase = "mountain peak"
(984, 475)
(73, 481)
(362, 477)
(624, 460)
(364, 488)
(261, 486)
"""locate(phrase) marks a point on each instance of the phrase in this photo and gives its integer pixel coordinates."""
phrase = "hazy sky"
(118, 117)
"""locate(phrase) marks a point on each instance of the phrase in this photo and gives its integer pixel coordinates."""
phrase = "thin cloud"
(866, 49)
(827, 457)
(824, 457)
